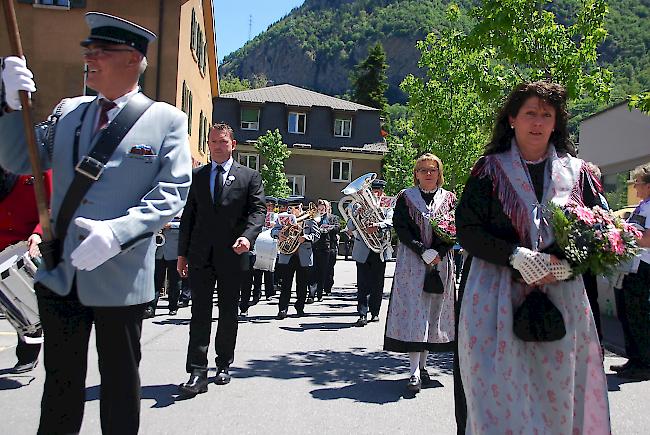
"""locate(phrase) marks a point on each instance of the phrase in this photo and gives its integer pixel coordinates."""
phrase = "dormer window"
(343, 127)
(297, 122)
(250, 118)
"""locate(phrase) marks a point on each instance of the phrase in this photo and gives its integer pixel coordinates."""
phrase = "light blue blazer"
(136, 195)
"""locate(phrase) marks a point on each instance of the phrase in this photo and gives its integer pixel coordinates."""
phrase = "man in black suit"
(224, 215)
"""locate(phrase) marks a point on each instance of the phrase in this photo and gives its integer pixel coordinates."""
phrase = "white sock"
(423, 359)
(414, 360)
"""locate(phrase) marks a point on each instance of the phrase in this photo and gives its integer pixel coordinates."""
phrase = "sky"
(231, 20)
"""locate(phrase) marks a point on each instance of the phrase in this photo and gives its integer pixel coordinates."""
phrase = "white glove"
(98, 247)
(561, 270)
(532, 265)
(429, 255)
(16, 77)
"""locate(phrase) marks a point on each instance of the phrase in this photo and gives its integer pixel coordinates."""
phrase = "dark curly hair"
(552, 94)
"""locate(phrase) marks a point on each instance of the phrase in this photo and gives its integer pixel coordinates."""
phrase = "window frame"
(343, 120)
(339, 179)
(294, 178)
(241, 119)
(304, 114)
(247, 156)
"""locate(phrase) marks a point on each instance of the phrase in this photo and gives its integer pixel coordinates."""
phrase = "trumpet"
(160, 238)
(289, 240)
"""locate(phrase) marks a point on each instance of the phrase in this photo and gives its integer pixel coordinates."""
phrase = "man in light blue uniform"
(299, 262)
(371, 265)
(105, 275)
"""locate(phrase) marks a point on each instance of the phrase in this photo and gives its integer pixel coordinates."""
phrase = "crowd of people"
(194, 232)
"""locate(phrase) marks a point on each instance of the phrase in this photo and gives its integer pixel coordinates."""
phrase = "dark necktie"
(104, 106)
(218, 183)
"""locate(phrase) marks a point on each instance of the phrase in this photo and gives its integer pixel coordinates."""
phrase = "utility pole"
(250, 26)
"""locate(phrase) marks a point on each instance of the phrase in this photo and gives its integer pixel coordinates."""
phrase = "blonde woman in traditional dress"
(515, 386)
(419, 322)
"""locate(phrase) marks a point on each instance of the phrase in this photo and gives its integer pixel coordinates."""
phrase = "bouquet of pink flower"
(444, 226)
(593, 239)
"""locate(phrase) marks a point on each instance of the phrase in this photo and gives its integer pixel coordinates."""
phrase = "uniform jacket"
(305, 252)
(136, 195)
(208, 228)
(169, 250)
(328, 239)
(360, 251)
(18, 213)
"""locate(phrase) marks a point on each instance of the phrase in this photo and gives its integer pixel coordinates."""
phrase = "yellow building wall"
(198, 83)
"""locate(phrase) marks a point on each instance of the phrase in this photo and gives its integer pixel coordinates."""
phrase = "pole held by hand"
(34, 158)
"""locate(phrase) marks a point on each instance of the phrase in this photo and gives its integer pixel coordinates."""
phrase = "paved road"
(316, 374)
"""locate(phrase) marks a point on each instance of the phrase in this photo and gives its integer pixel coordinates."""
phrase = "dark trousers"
(329, 282)
(321, 269)
(227, 274)
(167, 268)
(246, 289)
(591, 288)
(186, 293)
(269, 283)
(633, 309)
(370, 284)
(27, 353)
(66, 325)
(302, 280)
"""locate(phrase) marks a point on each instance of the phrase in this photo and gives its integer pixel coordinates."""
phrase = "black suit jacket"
(207, 227)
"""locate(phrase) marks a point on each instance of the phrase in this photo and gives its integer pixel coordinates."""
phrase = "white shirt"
(119, 104)
(213, 173)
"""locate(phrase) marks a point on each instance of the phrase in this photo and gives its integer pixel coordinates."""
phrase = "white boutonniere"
(230, 179)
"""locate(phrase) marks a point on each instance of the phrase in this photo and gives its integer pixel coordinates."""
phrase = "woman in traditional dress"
(418, 321)
(515, 386)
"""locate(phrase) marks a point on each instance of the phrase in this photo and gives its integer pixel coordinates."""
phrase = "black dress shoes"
(148, 313)
(223, 377)
(24, 367)
(414, 384)
(309, 300)
(424, 377)
(374, 318)
(173, 312)
(281, 315)
(362, 321)
(627, 365)
(197, 384)
(300, 313)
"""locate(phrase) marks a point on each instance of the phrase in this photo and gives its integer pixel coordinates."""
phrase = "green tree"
(641, 102)
(229, 83)
(468, 73)
(369, 80)
(398, 165)
(275, 153)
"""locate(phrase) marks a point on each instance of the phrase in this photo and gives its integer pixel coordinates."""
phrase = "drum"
(17, 297)
(266, 252)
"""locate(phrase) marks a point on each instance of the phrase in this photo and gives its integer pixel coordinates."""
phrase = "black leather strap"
(90, 167)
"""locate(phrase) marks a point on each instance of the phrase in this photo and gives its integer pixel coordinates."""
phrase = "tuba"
(362, 207)
(293, 232)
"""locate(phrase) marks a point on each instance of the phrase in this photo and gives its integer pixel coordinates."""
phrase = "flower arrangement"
(593, 239)
(444, 226)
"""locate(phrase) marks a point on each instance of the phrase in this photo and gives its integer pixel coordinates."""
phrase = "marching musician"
(140, 178)
(166, 257)
(371, 265)
(325, 249)
(269, 277)
(300, 261)
(18, 222)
